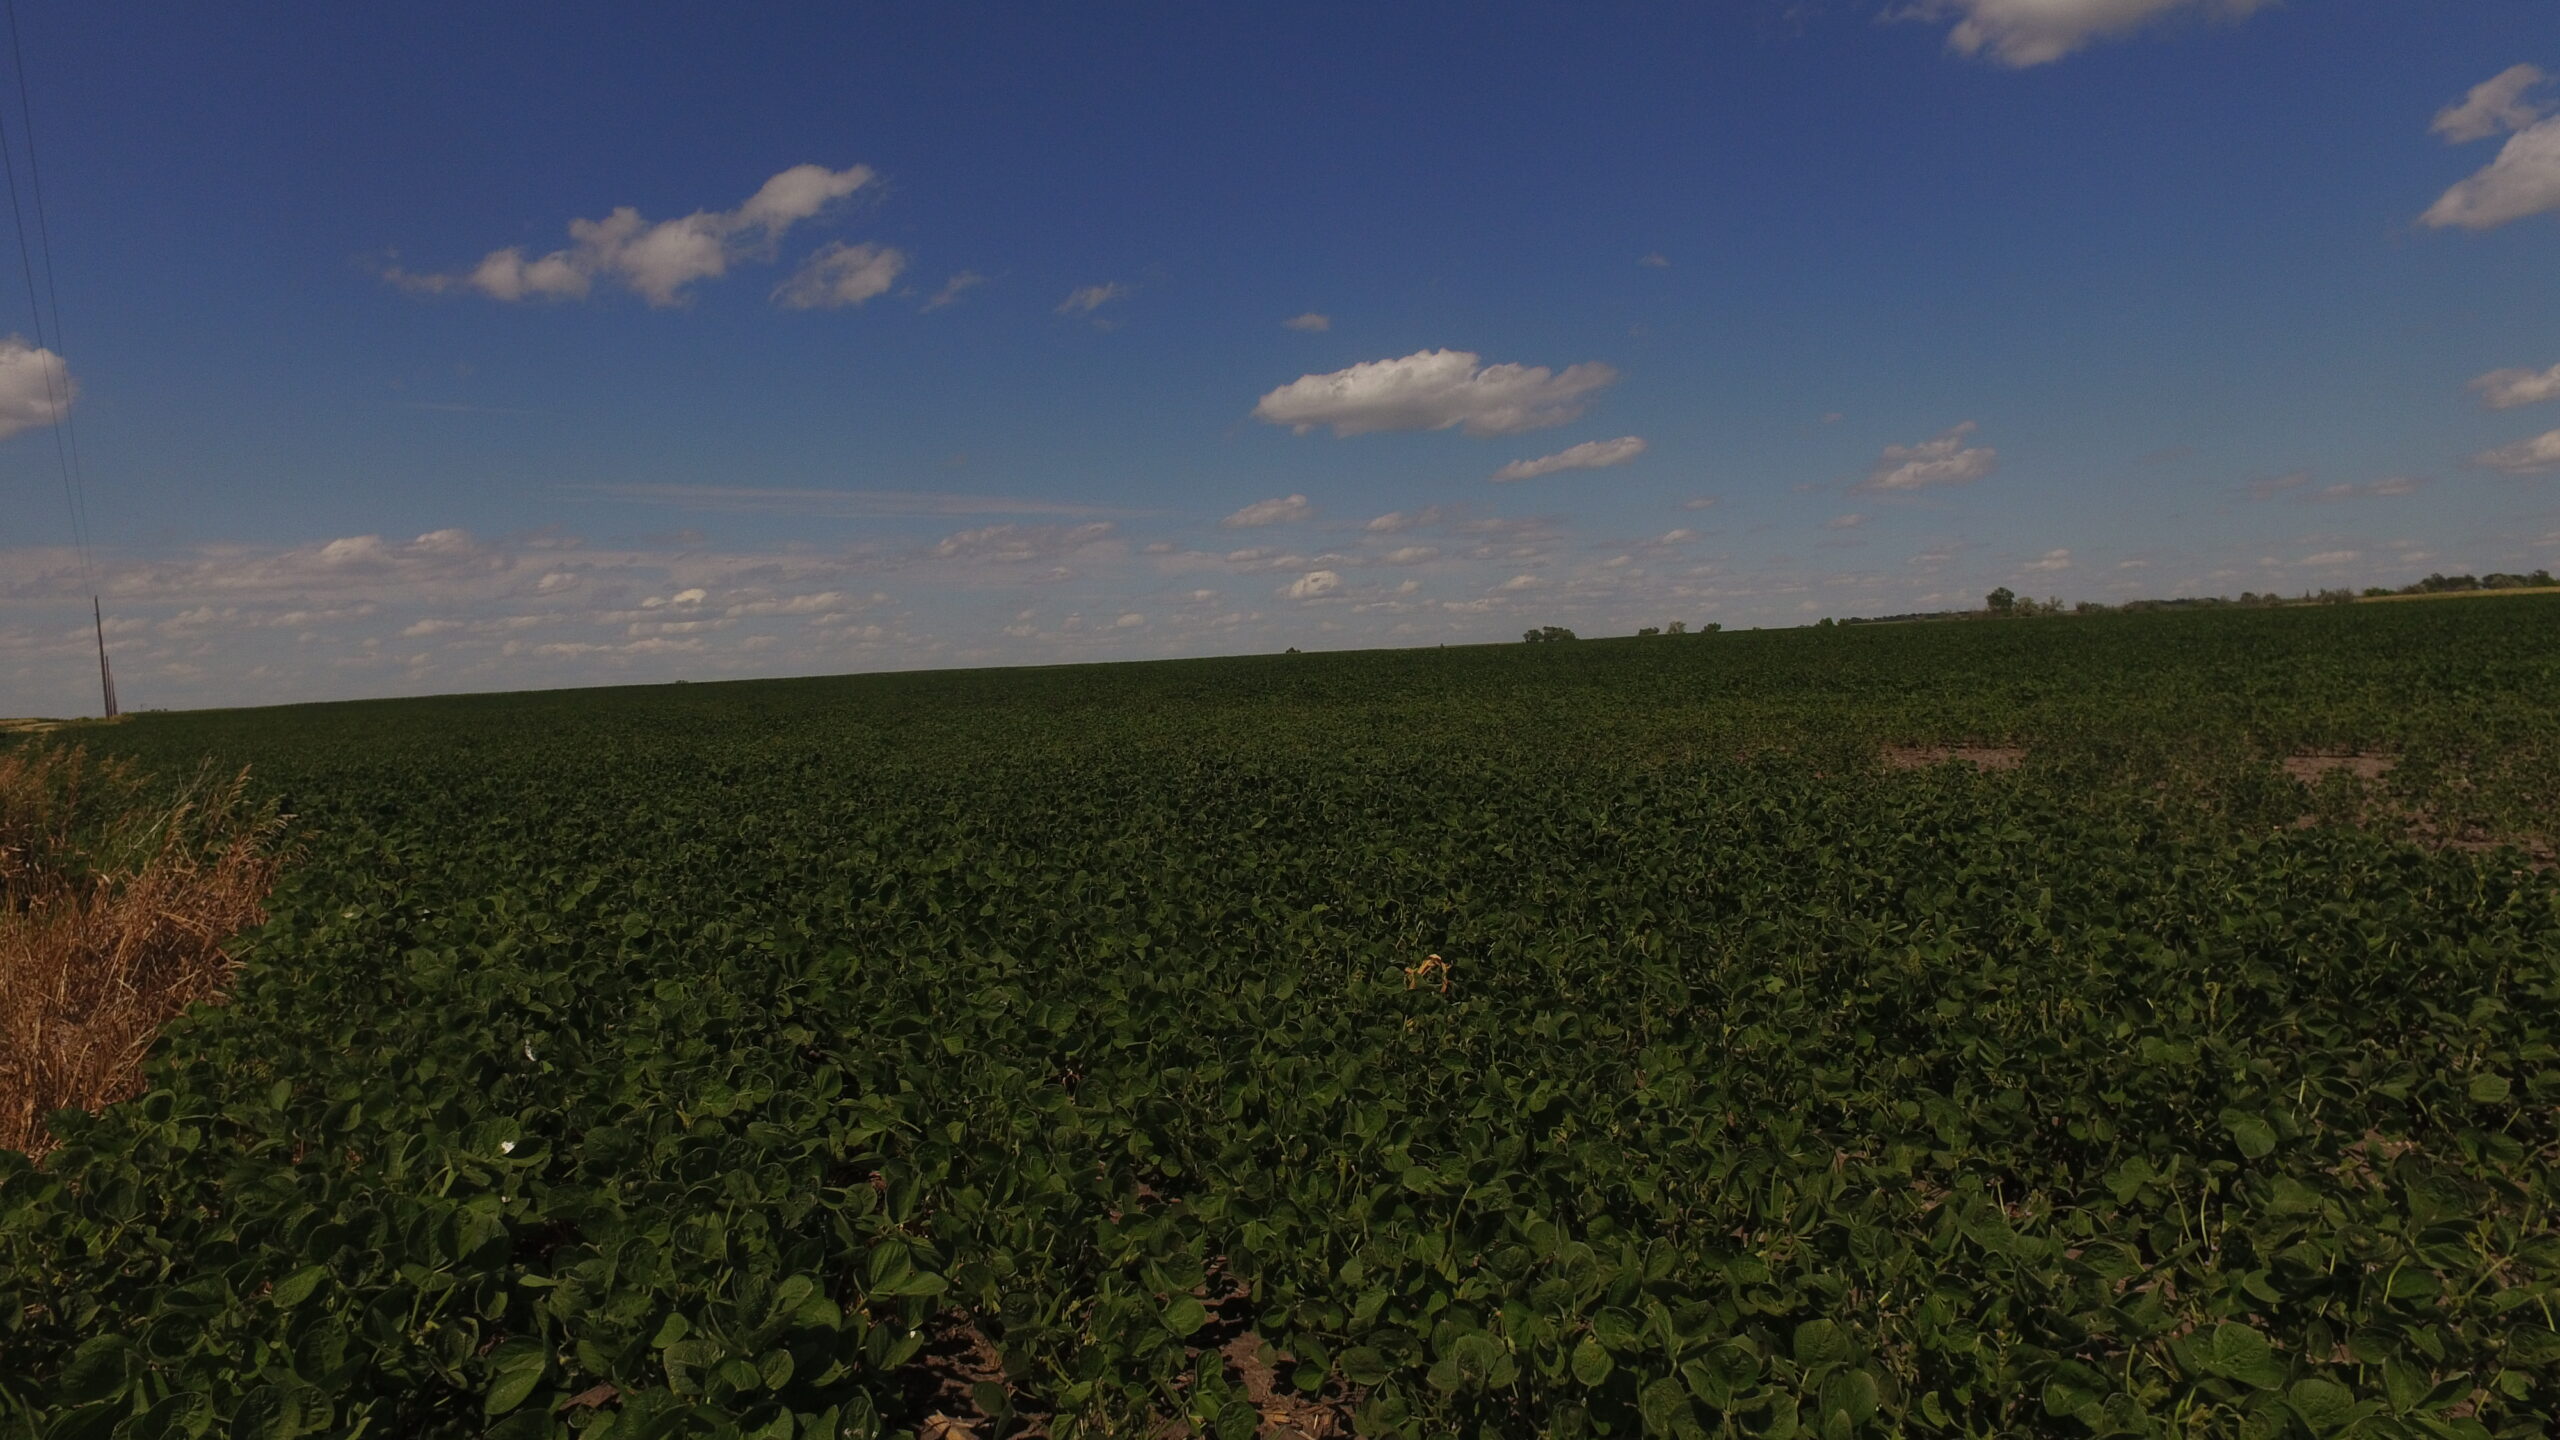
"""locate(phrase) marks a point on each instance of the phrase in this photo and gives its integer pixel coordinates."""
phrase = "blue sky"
(475, 347)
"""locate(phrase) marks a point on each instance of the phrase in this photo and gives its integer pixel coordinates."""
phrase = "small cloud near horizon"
(1945, 460)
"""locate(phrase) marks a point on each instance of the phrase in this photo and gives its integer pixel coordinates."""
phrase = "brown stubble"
(117, 912)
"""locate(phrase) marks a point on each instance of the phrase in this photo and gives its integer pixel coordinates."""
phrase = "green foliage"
(686, 1061)
(1547, 634)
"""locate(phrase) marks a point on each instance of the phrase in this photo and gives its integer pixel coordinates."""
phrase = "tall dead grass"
(117, 900)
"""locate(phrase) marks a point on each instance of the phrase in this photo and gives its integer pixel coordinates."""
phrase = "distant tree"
(1825, 623)
(1711, 627)
(1679, 627)
(1643, 630)
(1293, 649)
(2003, 601)
(1547, 635)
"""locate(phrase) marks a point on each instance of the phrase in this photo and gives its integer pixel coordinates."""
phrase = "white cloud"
(1703, 502)
(1850, 521)
(654, 259)
(1086, 299)
(1654, 261)
(2506, 389)
(1435, 390)
(2385, 488)
(2495, 106)
(2053, 560)
(1287, 510)
(1311, 321)
(1014, 544)
(505, 275)
(35, 388)
(2334, 557)
(1130, 621)
(819, 603)
(840, 274)
(952, 289)
(1410, 555)
(1395, 522)
(2033, 32)
(1311, 585)
(2525, 457)
(1589, 455)
(2524, 180)
(1523, 582)
(2271, 486)
(772, 500)
(1946, 460)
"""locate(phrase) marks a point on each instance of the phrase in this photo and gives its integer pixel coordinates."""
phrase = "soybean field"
(2135, 1024)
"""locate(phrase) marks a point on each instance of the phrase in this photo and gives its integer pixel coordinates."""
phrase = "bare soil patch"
(1286, 1415)
(1980, 757)
(2309, 768)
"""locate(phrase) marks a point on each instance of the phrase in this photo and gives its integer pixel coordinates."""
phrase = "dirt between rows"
(958, 1360)
(1980, 757)
(2308, 768)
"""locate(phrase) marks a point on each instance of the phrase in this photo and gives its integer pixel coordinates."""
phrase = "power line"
(57, 376)
(63, 427)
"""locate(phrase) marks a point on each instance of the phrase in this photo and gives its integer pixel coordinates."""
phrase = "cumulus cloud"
(1589, 455)
(1410, 555)
(954, 287)
(2495, 106)
(2524, 180)
(1311, 322)
(2052, 560)
(654, 259)
(2506, 389)
(840, 274)
(2536, 456)
(1311, 585)
(35, 388)
(1086, 299)
(1946, 460)
(2034, 32)
(1435, 390)
(1287, 510)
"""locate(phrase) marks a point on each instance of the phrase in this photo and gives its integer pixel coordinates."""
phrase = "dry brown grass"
(117, 901)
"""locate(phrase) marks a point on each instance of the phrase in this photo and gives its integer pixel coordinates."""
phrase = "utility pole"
(106, 677)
